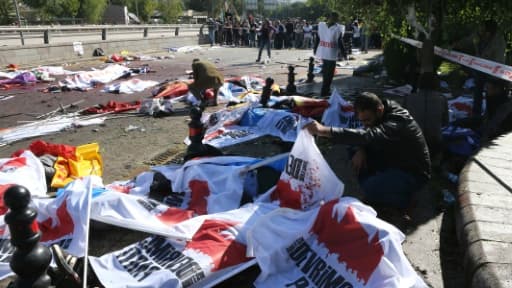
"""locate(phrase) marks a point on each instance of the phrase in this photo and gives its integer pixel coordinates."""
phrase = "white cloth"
(329, 36)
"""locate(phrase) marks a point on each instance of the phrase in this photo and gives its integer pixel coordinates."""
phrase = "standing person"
(264, 36)
(356, 36)
(212, 29)
(392, 159)
(328, 43)
(289, 31)
(308, 35)
(252, 33)
(299, 34)
(245, 33)
(206, 76)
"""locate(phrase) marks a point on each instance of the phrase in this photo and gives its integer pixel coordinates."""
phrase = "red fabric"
(40, 147)
(116, 58)
(310, 107)
(113, 106)
(173, 90)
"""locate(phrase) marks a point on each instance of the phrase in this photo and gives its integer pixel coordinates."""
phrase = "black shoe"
(65, 275)
(257, 61)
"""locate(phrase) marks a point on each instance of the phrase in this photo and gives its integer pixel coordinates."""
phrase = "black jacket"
(397, 142)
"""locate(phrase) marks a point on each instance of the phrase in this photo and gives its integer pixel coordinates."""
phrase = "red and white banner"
(203, 186)
(340, 113)
(137, 213)
(62, 220)
(339, 244)
(25, 170)
(495, 69)
(208, 185)
(215, 251)
(307, 179)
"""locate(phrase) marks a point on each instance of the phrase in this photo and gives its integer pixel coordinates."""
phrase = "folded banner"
(339, 244)
(495, 69)
(26, 170)
(307, 179)
(340, 113)
(215, 251)
(62, 220)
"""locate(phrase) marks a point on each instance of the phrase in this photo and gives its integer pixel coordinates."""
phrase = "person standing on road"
(327, 45)
(206, 76)
(392, 160)
(264, 36)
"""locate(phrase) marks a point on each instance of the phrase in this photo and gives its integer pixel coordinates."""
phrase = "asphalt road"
(430, 245)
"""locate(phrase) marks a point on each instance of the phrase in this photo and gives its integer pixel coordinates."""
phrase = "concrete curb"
(484, 222)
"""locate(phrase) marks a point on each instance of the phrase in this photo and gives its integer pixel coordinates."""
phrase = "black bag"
(98, 52)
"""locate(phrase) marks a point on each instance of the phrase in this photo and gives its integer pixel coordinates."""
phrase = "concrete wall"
(60, 53)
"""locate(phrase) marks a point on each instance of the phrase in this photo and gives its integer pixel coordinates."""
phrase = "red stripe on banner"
(174, 215)
(3, 208)
(17, 162)
(215, 239)
(349, 240)
(200, 192)
(64, 226)
(286, 195)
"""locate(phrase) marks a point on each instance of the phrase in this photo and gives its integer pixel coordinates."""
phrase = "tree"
(171, 10)
(6, 8)
(149, 8)
(92, 10)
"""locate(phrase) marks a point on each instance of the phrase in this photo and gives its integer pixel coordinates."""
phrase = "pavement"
(484, 223)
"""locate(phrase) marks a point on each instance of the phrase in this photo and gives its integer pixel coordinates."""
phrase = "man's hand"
(359, 161)
(316, 128)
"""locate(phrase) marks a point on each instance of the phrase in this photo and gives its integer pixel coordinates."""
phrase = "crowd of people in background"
(284, 34)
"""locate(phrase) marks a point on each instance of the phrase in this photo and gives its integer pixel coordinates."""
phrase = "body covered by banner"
(216, 249)
(25, 170)
(279, 123)
(62, 220)
(307, 179)
(339, 244)
(202, 186)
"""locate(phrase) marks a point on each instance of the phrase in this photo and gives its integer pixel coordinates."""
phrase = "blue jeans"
(211, 35)
(263, 43)
(391, 187)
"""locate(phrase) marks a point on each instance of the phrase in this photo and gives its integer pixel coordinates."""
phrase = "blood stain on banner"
(349, 240)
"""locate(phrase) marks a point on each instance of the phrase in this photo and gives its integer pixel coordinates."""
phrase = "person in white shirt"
(327, 45)
(308, 36)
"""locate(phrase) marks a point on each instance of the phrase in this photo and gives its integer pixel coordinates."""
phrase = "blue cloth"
(252, 116)
(392, 187)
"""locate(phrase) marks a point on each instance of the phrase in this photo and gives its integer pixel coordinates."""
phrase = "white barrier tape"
(495, 69)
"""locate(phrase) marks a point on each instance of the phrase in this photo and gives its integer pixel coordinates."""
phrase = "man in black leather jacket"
(392, 159)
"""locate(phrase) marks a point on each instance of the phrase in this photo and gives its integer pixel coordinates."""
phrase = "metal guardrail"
(14, 36)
